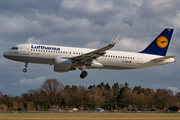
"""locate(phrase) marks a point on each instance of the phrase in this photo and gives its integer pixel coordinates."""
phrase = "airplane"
(67, 59)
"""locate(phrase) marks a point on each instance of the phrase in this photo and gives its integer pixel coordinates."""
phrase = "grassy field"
(91, 116)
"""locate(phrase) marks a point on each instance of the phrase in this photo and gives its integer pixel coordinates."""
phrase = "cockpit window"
(14, 48)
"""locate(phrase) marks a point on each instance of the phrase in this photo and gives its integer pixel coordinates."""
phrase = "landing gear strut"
(26, 65)
(83, 74)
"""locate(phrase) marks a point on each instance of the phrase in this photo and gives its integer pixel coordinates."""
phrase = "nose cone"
(6, 54)
(9, 55)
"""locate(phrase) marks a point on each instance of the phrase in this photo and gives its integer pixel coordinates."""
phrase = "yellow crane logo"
(162, 42)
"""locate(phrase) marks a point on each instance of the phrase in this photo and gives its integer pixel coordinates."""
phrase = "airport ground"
(90, 116)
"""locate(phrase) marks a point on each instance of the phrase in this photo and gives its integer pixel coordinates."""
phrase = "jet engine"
(63, 65)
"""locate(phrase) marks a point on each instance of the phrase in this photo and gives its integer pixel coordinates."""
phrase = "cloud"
(94, 44)
(14, 84)
(160, 7)
(33, 40)
(174, 89)
(44, 18)
(90, 8)
(31, 82)
(1, 85)
(130, 44)
(18, 24)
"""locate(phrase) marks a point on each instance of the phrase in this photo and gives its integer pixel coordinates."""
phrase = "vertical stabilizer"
(160, 45)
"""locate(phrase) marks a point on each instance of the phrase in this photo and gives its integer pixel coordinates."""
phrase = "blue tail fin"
(160, 45)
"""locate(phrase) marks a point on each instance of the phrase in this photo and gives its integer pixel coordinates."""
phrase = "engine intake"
(61, 63)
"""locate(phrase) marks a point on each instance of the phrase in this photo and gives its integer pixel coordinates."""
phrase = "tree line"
(53, 95)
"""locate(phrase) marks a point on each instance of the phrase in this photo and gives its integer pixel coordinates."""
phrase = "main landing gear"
(83, 74)
(26, 65)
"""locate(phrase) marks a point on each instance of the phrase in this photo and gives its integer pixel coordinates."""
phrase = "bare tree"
(163, 98)
(52, 87)
(34, 96)
(96, 97)
(178, 99)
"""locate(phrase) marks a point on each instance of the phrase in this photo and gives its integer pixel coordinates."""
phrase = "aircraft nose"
(5, 54)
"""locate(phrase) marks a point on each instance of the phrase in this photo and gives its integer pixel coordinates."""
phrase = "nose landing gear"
(26, 65)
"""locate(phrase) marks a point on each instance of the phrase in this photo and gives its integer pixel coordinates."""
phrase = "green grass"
(93, 116)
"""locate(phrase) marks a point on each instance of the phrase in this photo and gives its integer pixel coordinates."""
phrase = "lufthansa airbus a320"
(67, 59)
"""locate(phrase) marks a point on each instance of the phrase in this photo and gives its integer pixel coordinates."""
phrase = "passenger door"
(140, 59)
(26, 50)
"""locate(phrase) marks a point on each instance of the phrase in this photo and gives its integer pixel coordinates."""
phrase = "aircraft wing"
(89, 57)
(162, 58)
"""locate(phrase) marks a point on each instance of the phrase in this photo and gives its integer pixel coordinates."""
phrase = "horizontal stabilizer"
(162, 58)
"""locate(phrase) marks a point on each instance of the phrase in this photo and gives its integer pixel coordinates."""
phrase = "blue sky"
(90, 24)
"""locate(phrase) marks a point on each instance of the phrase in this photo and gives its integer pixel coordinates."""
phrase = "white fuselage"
(117, 60)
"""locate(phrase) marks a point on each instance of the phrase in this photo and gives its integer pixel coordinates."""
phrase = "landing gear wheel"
(24, 70)
(26, 65)
(83, 74)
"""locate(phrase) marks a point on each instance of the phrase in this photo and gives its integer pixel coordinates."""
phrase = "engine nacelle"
(63, 70)
(61, 63)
